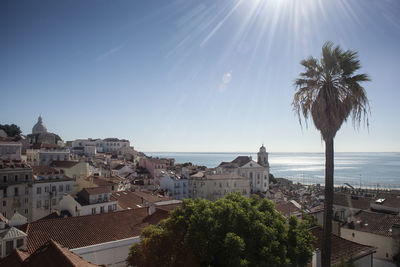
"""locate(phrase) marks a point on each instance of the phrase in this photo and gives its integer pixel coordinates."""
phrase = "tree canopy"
(233, 231)
(11, 130)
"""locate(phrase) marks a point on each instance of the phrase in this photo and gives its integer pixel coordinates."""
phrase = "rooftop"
(136, 199)
(343, 248)
(97, 190)
(355, 202)
(81, 231)
(13, 164)
(373, 222)
(63, 163)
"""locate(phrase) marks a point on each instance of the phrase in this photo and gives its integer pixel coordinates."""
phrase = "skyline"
(192, 76)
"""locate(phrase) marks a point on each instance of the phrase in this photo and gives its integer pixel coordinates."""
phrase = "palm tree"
(329, 92)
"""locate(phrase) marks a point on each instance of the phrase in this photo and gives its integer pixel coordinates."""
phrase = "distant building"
(46, 154)
(154, 165)
(15, 186)
(94, 200)
(346, 205)
(49, 185)
(72, 169)
(214, 186)
(257, 172)
(10, 150)
(176, 186)
(40, 135)
(107, 145)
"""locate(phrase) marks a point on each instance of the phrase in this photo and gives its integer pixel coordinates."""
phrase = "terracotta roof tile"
(373, 222)
(52, 254)
(355, 202)
(96, 190)
(287, 208)
(15, 258)
(75, 232)
(133, 199)
(63, 163)
(343, 248)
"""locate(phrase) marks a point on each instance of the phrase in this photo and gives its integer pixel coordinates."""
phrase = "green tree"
(234, 231)
(11, 130)
(329, 92)
(272, 178)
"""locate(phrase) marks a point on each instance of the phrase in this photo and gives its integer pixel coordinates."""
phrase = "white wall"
(384, 244)
(112, 253)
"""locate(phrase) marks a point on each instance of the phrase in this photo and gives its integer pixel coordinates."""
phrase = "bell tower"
(262, 157)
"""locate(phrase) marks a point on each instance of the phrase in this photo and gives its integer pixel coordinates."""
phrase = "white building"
(49, 186)
(375, 229)
(257, 172)
(214, 186)
(94, 200)
(10, 150)
(176, 186)
(46, 155)
(102, 145)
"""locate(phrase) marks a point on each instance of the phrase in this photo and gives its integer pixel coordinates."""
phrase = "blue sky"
(191, 75)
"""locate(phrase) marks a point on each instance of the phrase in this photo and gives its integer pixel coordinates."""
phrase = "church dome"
(39, 127)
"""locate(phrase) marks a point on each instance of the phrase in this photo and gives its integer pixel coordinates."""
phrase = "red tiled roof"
(15, 258)
(287, 208)
(376, 223)
(2, 218)
(52, 254)
(131, 199)
(96, 190)
(169, 207)
(63, 163)
(342, 248)
(44, 170)
(81, 231)
(356, 202)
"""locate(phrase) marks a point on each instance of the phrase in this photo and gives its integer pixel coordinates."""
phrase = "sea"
(366, 170)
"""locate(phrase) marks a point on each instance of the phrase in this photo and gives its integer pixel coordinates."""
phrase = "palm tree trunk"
(328, 203)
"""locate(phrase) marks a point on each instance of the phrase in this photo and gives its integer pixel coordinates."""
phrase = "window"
(4, 203)
(16, 178)
(109, 208)
(16, 191)
(114, 206)
(9, 246)
(4, 192)
(46, 204)
(93, 210)
(26, 200)
(26, 177)
(26, 211)
(20, 243)
(38, 204)
(5, 179)
(38, 190)
(46, 189)
(61, 188)
(102, 209)
(68, 187)
(53, 189)
(54, 202)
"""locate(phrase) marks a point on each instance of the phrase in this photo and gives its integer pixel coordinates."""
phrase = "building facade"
(46, 155)
(214, 186)
(15, 186)
(49, 185)
(102, 145)
(175, 186)
(10, 150)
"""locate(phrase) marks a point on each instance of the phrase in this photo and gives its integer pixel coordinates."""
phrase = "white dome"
(39, 127)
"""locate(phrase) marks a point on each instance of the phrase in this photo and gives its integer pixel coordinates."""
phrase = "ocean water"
(366, 169)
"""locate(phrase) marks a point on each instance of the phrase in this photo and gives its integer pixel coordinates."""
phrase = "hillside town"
(88, 200)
